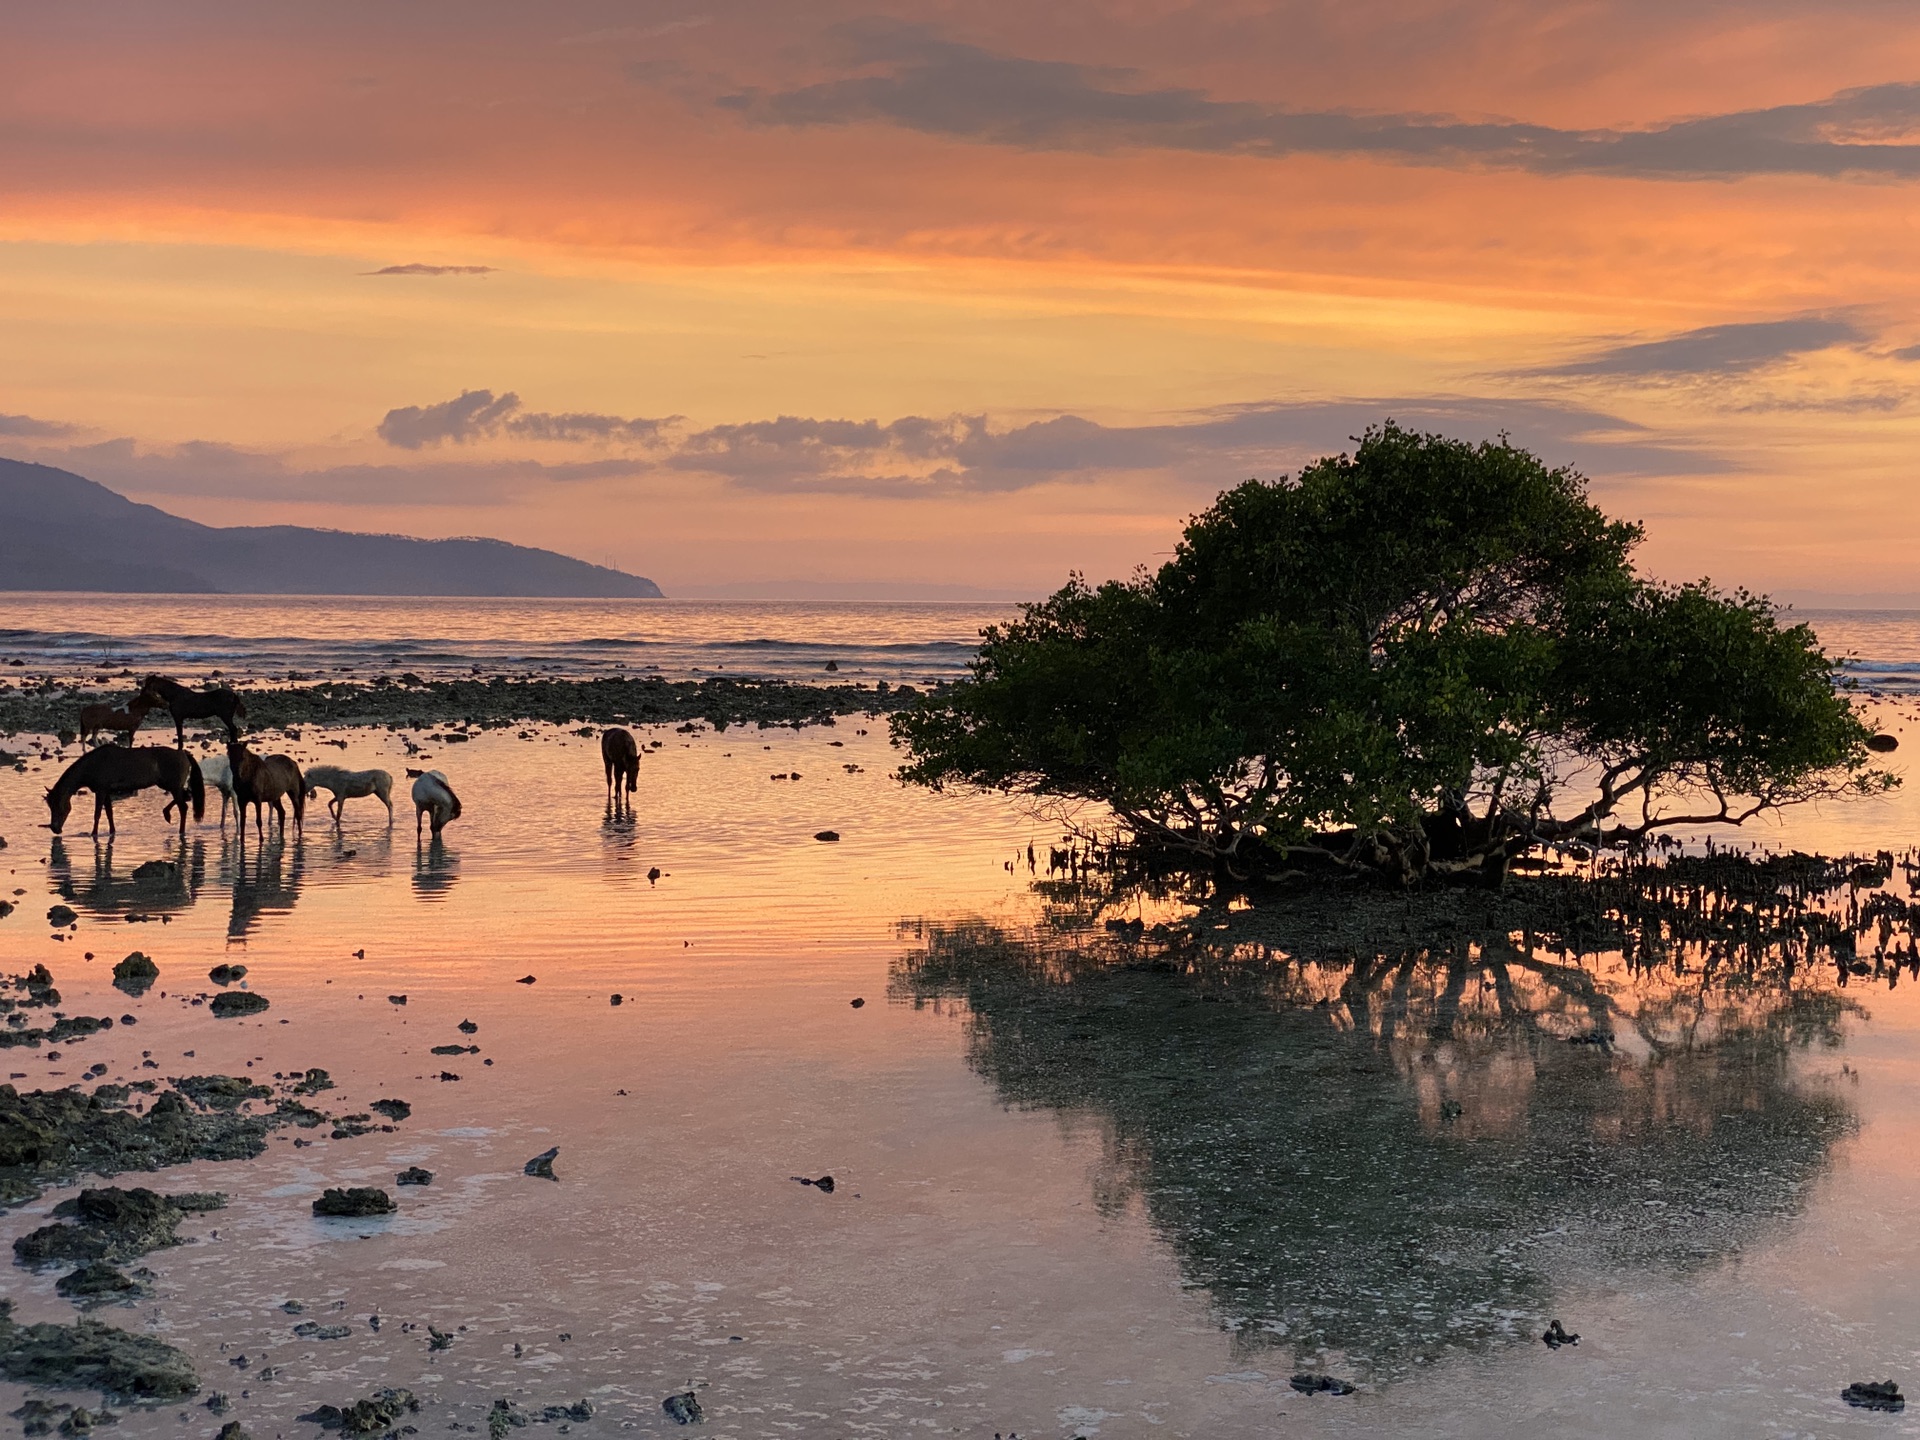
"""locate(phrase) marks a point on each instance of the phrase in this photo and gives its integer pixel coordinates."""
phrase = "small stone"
(1308, 1384)
(542, 1164)
(857, 1002)
(355, 1203)
(827, 835)
(684, 1408)
(1874, 1395)
(414, 1175)
(526, 980)
(236, 1002)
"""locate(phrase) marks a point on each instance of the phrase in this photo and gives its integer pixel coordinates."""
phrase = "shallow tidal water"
(1072, 1197)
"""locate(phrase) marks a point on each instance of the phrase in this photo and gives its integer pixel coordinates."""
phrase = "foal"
(621, 756)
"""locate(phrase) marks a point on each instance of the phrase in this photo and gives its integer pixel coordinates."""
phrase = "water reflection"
(266, 880)
(435, 868)
(150, 886)
(1379, 1160)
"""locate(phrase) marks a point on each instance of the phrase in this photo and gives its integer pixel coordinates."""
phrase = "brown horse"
(185, 704)
(261, 780)
(621, 756)
(114, 772)
(95, 718)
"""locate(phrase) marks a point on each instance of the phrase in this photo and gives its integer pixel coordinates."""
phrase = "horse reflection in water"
(151, 887)
(1399, 1155)
(266, 879)
(435, 868)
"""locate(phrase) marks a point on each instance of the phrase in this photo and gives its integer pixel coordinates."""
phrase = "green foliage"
(1405, 657)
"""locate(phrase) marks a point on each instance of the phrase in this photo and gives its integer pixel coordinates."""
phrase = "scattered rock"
(233, 1430)
(39, 1417)
(857, 1002)
(438, 1339)
(135, 974)
(355, 1203)
(227, 974)
(1883, 745)
(236, 1002)
(312, 1083)
(158, 870)
(1875, 1395)
(396, 999)
(827, 835)
(392, 1109)
(221, 1092)
(456, 1050)
(414, 1175)
(466, 1027)
(1320, 1385)
(503, 1417)
(824, 1184)
(542, 1164)
(61, 916)
(579, 1410)
(1557, 1336)
(617, 999)
(526, 980)
(381, 1411)
(684, 1408)
(90, 1356)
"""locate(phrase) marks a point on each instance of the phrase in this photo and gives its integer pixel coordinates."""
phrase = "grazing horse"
(622, 759)
(433, 796)
(114, 772)
(95, 718)
(261, 780)
(184, 705)
(349, 785)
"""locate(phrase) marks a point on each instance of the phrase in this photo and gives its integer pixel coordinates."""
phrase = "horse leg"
(181, 798)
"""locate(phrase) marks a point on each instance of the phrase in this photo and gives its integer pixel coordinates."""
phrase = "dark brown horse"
(261, 780)
(95, 718)
(114, 772)
(184, 704)
(621, 756)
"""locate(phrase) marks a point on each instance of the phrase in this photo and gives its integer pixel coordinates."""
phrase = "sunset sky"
(924, 299)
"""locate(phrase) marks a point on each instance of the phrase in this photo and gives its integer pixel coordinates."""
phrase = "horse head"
(59, 806)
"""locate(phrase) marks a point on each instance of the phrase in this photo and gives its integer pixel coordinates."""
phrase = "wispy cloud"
(920, 81)
(418, 269)
(480, 414)
(1715, 349)
(960, 453)
(29, 428)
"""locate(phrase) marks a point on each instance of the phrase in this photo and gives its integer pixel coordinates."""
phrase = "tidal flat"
(1090, 1178)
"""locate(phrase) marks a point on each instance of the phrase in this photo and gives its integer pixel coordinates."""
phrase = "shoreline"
(490, 702)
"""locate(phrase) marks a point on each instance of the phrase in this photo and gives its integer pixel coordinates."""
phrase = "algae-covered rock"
(90, 1356)
(236, 1002)
(392, 1109)
(505, 1416)
(97, 1282)
(381, 1411)
(135, 974)
(355, 1203)
(112, 1224)
(414, 1175)
(684, 1408)
(221, 1092)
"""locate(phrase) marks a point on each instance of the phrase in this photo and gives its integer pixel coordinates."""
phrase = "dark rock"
(111, 1224)
(542, 1164)
(233, 1430)
(1320, 1385)
(579, 1410)
(96, 1282)
(526, 980)
(503, 1417)
(617, 999)
(158, 870)
(227, 974)
(857, 1002)
(392, 1109)
(456, 1050)
(684, 1408)
(396, 999)
(466, 1027)
(312, 1083)
(314, 1330)
(381, 1411)
(135, 974)
(221, 1092)
(90, 1356)
(824, 1184)
(1875, 1395)
(414, 1175)
(61, 916)
(236, 1002)
(355, 1203)
(1557, 1336)
(827, 835)
(1883, 744)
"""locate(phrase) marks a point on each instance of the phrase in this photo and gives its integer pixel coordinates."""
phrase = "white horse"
(347, 785)
(433, 796)
(217, 772)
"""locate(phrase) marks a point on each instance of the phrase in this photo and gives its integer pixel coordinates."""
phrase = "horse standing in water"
(95, 718)
(433, 796)
(217, 772)
(621, 756)
(114, 772)
(348, 785)
(261, 780)
(184, 705)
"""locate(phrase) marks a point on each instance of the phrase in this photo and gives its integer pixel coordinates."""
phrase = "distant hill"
(60, 531)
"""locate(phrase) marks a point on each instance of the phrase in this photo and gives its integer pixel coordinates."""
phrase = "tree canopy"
(1425, 656)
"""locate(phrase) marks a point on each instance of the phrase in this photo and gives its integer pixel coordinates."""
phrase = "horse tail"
(197, 788)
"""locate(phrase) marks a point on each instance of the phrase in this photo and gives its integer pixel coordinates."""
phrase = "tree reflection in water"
(1384, 1157)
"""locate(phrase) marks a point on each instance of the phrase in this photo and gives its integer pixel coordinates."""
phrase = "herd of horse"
(243, 778)
(116, 771)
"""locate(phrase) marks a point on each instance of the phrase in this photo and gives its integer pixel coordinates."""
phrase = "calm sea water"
(1071, 1199)
(266, 636)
